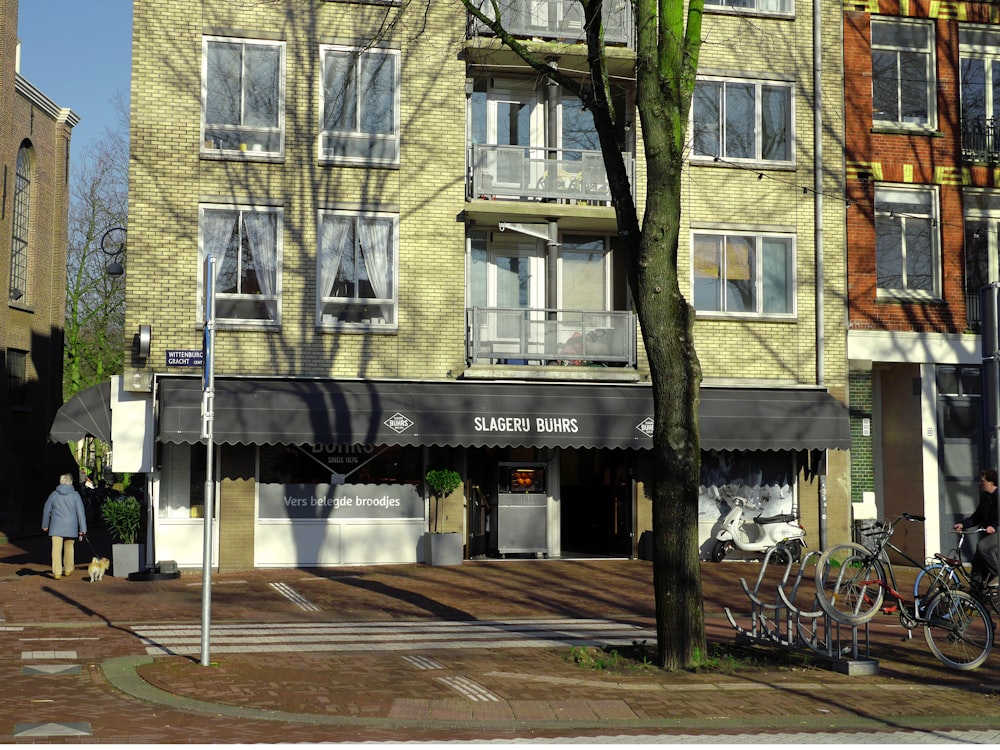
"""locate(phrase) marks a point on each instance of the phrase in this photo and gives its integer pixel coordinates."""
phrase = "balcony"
(536, 336)
(979, 140)
(556, 19)
(535, 173)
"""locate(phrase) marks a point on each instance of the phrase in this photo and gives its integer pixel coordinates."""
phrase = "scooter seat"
(780, 518)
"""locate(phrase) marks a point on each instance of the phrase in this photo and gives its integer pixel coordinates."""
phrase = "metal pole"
(208, 434)
(990, 334)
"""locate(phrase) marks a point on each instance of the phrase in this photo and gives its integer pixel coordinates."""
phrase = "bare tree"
(668, 43)
(95, 301)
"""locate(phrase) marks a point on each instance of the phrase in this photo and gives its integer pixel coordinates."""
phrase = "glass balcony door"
(515, 118)
(516, 286)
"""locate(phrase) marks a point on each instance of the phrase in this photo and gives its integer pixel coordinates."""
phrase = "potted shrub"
(123, 519)
(442, 548)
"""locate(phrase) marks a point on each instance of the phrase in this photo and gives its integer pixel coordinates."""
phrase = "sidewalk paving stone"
(298, 695)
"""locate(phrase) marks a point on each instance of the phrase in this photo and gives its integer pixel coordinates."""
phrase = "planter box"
(443, 548)
(126, 558)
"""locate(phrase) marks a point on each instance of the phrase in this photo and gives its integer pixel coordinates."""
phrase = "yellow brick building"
(416, 267)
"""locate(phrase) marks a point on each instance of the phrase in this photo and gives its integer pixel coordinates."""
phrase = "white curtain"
(335, 239)
(216, 232)
(376, 250)
(262, 236)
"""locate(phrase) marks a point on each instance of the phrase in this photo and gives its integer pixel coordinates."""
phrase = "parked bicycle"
(852, 581)
(956, 567)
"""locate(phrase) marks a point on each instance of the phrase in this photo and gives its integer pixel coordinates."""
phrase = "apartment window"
(357, 269)
(982, 248)
(19, 237)
(360, 105)
(748, 274)
(246, 243)
(906, 241)
(903, 85)
(742, 120)
(243, 97)
(761, 6)
(980, 71)
(17, 378)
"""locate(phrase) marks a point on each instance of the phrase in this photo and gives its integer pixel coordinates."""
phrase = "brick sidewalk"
(354, 695)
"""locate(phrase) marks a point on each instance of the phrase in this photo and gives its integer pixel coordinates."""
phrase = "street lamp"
(113, 245)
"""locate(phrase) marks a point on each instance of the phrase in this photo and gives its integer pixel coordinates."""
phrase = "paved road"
(484, 652)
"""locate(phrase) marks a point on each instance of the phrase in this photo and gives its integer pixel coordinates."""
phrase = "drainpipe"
(818, 233)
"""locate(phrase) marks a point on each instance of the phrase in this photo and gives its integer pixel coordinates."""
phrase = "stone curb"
(121, 673)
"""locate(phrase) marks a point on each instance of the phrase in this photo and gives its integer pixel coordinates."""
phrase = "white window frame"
(744, 7)
(909, 216)
(928, 51)
(237, 140)
(374, 305)
(223, 298)
(758, 271)
(759, 86)
(328, 140)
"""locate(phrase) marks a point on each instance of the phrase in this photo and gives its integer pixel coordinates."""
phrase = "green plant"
(122, 516)
(441, 482)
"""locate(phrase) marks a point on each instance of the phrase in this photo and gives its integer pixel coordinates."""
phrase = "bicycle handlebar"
(912, 517)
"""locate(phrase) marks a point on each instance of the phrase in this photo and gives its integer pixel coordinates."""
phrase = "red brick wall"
(898, 157)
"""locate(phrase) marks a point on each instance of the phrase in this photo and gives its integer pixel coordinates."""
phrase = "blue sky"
(78, 53)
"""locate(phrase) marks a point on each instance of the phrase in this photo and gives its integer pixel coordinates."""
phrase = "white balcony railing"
(528, 172)
(536, 336)
(556, 19)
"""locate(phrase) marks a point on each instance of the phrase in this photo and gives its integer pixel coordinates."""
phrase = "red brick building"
(922, 220)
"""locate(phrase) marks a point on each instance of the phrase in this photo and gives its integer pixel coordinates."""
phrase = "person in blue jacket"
(64, 519)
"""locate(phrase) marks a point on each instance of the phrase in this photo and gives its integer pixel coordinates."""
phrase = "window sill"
(260, 156)
(346, 161)
(900, 128)
(751, 12)
(358, 328)
(898, 296)
(746, 164)
(244, 325)
(23, 307)
(745, 317)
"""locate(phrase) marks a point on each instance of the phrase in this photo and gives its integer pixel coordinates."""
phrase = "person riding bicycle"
(985, 561)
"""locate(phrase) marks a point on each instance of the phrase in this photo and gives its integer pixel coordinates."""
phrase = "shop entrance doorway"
(596, 503)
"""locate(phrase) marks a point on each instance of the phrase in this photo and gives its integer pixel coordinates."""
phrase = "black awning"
(470, 413)
(86, 413)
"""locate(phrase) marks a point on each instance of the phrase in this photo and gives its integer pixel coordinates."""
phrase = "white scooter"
(758, 534)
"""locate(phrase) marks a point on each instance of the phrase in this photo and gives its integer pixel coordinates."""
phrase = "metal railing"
(979, 140)
(556, 19)
(529, 172)
(539, 336)
(973, 317)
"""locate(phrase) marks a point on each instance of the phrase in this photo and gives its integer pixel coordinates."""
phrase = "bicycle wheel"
(849, 584)
(925, 586)
(958, 631)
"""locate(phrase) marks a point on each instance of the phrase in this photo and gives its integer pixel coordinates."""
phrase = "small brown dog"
(97, 567)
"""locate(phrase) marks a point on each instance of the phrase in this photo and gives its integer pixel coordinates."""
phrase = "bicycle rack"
(781, 623)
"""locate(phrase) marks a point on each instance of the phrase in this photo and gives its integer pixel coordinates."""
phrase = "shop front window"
(336, 483)
(182, 492)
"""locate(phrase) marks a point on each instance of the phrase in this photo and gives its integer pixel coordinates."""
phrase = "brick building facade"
(921, 243)
(417, 268)
(34, 151)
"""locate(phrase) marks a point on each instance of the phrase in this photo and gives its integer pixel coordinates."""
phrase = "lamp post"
(208, 434)
(113, 245)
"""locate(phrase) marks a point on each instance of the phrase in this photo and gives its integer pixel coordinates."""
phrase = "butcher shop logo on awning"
(398, 422)
(646, 427)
